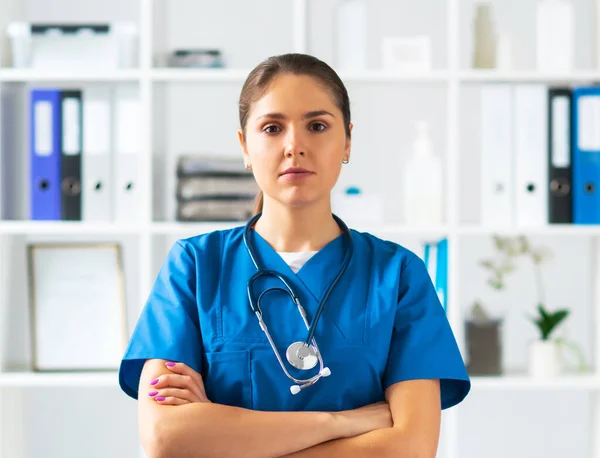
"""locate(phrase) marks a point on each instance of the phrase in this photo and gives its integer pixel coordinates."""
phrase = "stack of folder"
(84, 151)
(540, 154)
(214, 189)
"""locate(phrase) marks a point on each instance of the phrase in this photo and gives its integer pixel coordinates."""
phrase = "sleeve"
(168, 327)
(423, 345)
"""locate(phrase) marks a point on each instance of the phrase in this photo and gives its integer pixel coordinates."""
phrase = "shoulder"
(209, 244)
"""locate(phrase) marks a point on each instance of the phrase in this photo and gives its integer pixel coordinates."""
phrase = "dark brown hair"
(262, 75)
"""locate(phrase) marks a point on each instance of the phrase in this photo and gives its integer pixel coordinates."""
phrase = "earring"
(248, 166)
(345, 161)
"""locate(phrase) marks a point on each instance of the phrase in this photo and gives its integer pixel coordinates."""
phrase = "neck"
(297, 229)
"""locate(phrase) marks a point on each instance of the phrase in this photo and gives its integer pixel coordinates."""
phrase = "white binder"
(126, 154)
(496, 204)
(531, 154)
(97, 151)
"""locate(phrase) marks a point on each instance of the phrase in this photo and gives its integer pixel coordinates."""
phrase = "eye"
(318, 126)
(270, 129)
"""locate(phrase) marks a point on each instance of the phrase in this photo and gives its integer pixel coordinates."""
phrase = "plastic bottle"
(422, 182)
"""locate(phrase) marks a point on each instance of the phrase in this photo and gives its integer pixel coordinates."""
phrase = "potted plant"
(545, 357)
(545, 351)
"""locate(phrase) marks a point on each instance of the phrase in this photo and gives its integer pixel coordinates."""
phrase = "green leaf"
(555, 319)
(543, 313)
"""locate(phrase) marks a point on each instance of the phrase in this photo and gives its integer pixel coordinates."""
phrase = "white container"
(422, 182)
(554, 36)
(351, 35)
(85, 49)
(544, 359)
(357, 207)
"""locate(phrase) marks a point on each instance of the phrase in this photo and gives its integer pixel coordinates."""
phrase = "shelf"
(382, 76)
(523, 382)
(517, 76)
(198, 75)
(74, 379)
(239, 75)
(555, 229)
(31, 75)
(67, 227)
(174, 227)
(228, 75)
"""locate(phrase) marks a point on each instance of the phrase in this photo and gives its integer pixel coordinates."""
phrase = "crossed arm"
(415, 407)
(202, 428)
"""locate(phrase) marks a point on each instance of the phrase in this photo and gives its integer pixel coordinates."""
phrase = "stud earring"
(248, 166)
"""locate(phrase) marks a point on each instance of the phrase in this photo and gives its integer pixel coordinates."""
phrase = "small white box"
(355, 207)
(410, 54)
(73, 46)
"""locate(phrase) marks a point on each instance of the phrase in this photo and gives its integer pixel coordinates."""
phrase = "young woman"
(222, 360)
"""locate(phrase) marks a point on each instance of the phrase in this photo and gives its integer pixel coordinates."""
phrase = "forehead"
(294, 94)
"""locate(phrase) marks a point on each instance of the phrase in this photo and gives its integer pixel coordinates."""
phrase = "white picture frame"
(77, 307)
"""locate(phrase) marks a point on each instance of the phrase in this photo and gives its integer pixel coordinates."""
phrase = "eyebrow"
(308, 115)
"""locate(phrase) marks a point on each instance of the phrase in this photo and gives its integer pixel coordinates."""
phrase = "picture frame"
(78, 319)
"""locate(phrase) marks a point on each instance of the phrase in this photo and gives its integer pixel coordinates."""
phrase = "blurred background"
(476, 144)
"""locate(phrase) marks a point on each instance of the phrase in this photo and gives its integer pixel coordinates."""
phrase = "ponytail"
(258, 203)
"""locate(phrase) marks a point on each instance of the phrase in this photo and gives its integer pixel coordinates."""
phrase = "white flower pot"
(544, 359)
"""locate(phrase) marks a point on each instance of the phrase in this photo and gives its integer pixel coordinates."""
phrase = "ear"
(348, 146)
(243, 146)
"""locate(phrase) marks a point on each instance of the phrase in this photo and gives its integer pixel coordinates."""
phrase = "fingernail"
(154, 382)
(153, 393)
(160, 398)
(170, 364)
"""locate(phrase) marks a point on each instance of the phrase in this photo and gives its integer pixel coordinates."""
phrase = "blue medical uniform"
(383, 323)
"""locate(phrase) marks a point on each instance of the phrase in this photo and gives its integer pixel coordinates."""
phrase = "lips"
(295, 171)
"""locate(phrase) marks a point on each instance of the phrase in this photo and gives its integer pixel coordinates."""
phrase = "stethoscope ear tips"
(325, 372)
(295, 389)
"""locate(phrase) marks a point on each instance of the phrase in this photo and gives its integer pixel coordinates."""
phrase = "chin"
(301, 201)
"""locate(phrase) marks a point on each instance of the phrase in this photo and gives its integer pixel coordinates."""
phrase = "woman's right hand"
(364, 419)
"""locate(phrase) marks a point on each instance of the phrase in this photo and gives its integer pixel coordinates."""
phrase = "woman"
(207, 376)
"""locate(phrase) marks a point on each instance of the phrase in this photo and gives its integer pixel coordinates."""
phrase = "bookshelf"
(169, 118)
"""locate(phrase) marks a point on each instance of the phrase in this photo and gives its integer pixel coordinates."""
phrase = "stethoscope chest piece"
(302, 356)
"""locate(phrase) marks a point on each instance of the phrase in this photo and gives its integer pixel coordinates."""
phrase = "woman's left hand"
(184, 386)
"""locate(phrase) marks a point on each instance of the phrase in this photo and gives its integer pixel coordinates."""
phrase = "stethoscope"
(302, 355)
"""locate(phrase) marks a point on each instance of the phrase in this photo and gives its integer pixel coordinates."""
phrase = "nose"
(294, 144)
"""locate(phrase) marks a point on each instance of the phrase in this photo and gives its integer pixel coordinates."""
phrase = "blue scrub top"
(382, 324)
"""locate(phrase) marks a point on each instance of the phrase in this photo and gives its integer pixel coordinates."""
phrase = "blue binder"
(586, 155)
(45, 130)
(438, 267)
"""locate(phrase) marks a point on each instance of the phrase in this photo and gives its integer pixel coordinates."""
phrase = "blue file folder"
(586, 155)
(435, 257)
(45, 130)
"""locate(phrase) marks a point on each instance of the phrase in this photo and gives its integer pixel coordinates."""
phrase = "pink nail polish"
(153, 393)
(154, 382)
(160, 398)
(170, 364)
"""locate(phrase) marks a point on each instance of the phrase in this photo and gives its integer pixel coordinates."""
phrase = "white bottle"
(422, 182)
(351, 35)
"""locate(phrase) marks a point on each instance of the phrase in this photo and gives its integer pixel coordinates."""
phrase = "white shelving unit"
(153, 232)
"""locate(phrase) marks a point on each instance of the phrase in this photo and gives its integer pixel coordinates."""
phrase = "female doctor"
(292, 335)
